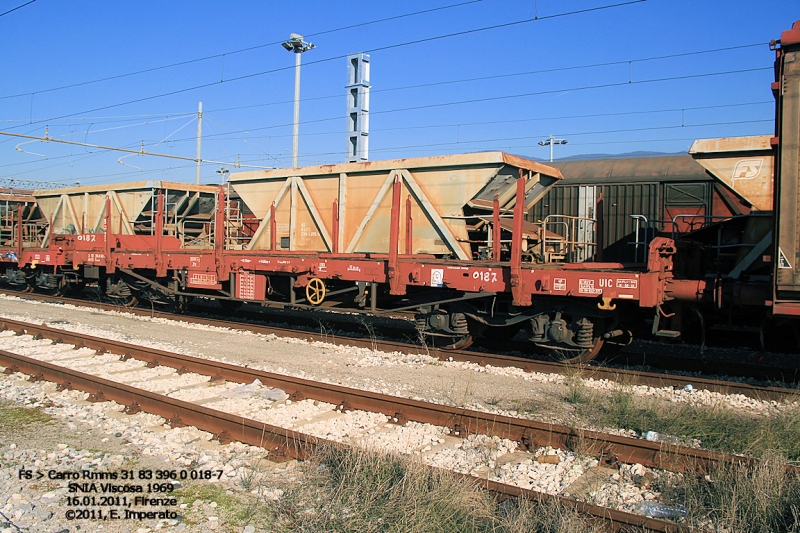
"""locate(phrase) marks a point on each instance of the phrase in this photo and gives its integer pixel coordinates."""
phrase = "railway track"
(625, 375)
(287, 443)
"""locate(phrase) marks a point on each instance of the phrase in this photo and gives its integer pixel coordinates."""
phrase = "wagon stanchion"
(409, 227)
(335, 226)
(496, 229)
(396, 285)
(517, 286)
(273, 228)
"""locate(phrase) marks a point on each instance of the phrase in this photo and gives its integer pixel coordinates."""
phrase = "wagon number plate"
(487, 276)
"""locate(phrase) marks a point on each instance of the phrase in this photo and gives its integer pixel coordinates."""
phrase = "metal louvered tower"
(357, 108)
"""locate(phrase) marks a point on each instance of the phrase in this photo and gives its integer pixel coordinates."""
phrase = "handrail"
(576, 237)
(637, 242)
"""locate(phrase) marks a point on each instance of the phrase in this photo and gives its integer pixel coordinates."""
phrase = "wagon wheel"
(130, 301)
(432, 333)
(454, 343)
(571, 355)
(30, 283)
(120, 292)
(315, 291)
(555, 344)
(182, 303)
(446, 342)
(70, 287)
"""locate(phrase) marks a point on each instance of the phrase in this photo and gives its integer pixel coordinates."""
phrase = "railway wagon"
(634, 199)
(13, 208)
(444, 238)
(66, 240)
(743, 273)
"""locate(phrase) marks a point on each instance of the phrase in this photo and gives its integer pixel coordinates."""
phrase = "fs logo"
(747, 169)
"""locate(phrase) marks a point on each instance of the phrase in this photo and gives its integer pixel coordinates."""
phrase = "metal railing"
(642, 243)
(195, 234)
(235, 236)
(35, 233)
(574, 240)
(707, 220)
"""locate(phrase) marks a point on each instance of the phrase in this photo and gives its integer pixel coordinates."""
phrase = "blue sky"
(586, 71)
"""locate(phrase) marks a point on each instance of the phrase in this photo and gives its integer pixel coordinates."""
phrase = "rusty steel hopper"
(744, 164)
(189, 209)
(448, 195)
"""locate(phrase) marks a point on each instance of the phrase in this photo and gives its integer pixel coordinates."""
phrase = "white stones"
(472, 453)
(346, 427)
(400, 374)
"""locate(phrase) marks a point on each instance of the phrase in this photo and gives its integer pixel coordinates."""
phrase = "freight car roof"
(639, 169)
(151, 184)
(459, 160)
(19, 198)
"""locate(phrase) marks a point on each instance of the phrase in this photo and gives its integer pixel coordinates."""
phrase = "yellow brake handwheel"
(315, 291)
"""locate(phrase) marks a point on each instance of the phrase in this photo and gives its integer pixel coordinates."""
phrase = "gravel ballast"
(507, 391)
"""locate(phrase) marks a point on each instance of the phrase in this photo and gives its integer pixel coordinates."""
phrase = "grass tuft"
(717, 427)
(576, 390)
(11, 417)
(348, 489)
(761, 498)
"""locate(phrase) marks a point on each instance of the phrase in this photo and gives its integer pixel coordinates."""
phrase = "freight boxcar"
(634, 199)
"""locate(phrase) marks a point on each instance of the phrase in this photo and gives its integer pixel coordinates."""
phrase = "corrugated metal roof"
(639, 169)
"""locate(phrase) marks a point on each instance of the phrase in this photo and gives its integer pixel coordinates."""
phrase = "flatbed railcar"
(442, 237)
(428, 235)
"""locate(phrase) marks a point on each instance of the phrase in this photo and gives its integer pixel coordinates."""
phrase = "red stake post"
(396, 286)
(496, 229)
(518, 293)
(409, 228)
(335, 227)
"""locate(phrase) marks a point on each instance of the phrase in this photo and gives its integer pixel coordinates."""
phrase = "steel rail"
(652, 379)
(282, 442)
(462, 422)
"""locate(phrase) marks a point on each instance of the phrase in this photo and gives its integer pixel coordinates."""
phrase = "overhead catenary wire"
(505, 75)
(525, 95)
(566, 133)
(116, 148)
(29, 2)
(226, 136)
(416, 86)
(532, 137)
(505, 121)
(276, 159)
(423, 148)
(229, 53)
(325, 60)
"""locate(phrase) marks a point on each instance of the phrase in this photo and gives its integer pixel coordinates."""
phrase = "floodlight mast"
(297, 45)
(550, 142)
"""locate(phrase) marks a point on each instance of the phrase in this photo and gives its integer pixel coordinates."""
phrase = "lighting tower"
(550, 142)
(297, 45)
(357, 107)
